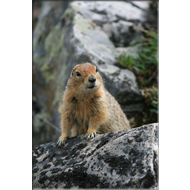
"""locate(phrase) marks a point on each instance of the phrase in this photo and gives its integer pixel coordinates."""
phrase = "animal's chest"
(80, 117)
(81, 111)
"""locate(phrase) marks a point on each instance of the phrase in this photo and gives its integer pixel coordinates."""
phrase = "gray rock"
(124, 159)
(102, 12)
(123, 32)
(145, 6)
(131, 50)
(48, 58)
(120, 20)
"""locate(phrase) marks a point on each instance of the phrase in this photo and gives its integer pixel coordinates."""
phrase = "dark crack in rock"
(123, 159)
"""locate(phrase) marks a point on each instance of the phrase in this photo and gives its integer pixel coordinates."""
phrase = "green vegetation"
(144, 64)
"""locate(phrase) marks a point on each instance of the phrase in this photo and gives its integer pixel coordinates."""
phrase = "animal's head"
(85, 77)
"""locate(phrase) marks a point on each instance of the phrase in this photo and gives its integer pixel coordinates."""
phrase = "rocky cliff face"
(83, 33)
(124, 159)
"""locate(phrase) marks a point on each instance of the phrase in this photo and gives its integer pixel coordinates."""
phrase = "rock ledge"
(124, 159)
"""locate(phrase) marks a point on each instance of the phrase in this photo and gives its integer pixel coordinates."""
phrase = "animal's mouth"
(91, 86)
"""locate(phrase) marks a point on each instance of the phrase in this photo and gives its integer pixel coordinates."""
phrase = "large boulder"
(124, 159)
(63, 38)
(47, 66)
(120, 20)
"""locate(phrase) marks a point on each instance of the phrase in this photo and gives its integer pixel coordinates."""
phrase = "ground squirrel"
(87, 107)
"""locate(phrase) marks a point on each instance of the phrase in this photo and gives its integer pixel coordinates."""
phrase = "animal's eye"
(78, 74)
(96, 69)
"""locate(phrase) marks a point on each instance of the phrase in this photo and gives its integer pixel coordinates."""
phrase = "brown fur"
(87, 110)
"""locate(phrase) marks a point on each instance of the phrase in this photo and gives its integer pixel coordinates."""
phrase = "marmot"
(87, 107)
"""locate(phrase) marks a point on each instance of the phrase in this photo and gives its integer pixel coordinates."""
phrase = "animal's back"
(116, 119)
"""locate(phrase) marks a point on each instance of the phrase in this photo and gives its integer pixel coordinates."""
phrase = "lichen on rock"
(124, 159)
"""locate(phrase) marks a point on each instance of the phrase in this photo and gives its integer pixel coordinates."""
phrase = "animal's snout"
(92, 79)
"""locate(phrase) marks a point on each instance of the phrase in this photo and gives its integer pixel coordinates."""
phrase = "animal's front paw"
(61, 142)
(90, 136)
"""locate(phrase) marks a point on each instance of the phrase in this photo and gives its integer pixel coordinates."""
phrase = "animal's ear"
(72, 72)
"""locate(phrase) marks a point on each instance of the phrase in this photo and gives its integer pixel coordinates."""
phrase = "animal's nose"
(92, 79)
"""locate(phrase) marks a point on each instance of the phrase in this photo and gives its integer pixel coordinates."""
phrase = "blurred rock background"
(119, 37)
